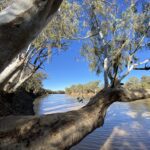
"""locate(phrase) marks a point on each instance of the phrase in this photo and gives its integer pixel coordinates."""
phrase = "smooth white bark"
(20, 23)
(20, 82)
(106, 83)
(106, 72)
(10, 70)
(130, 68)
(11, 81)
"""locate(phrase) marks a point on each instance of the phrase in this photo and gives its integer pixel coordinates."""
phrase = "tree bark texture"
(20, 24)
(60, 131)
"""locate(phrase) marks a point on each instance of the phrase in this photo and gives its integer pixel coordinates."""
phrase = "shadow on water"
(127, 125)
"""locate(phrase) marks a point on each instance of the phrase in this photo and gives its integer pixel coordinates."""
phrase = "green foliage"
(145, 82)
(135, 83)
(63, 26)
(34, 84)
(54, 38)
(91, 87)
(116, 33)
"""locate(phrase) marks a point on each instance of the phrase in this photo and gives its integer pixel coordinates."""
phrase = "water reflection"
(56, 103)
(127, 125)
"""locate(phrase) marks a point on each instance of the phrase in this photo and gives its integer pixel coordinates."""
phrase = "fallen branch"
(62, 130)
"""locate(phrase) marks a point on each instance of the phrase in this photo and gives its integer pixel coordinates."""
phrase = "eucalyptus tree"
(145, 82)
(34, 84)
(20, 23)
(60, 131)
(119, 31)
(49, 42)
(133, 83)
(91, 87)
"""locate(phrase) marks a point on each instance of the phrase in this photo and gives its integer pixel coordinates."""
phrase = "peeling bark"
(20, 24)
(62, 130)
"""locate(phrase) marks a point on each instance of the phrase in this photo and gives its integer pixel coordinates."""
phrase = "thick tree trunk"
(11, 81)
(20, 82)
(9, 71)
(20, 23)
(62, 130)
(106, 83)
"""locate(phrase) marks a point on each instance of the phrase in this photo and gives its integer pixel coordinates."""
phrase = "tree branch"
(132, 67)
(20, 23)
(60, 131)
(80, 38)
(144, 68)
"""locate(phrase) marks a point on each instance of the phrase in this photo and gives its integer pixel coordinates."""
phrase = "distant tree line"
(113, 38)
(135, 83)
(91, 87)
(94, 87)
(35, 85)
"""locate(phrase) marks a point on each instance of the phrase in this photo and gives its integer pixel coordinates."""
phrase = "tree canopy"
(117, 35)
(91, 87)
(50, 42)
(135, 83)
(34, 84)
(114, 35)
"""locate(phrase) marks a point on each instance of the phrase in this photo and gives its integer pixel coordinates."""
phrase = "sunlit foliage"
(118, 31)
(135, 83)
(91, 87)
(34, 84)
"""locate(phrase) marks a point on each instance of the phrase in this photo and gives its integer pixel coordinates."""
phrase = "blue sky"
(69, 68)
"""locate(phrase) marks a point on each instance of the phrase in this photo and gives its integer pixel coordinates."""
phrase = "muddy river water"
(126, 127)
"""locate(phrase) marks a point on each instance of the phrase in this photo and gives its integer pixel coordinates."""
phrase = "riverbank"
(21, 102)
(18, 103)
(85, 96)
(62, 103)
(54, 92)
(26, 132)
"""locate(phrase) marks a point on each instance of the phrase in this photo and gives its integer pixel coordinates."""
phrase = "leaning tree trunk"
(62, 130)
(11, 81)
(9, 74)
(9, 71)
(20, 23)
(20, 82)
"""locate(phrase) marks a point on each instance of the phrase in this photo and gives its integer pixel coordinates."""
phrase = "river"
(126, 127)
